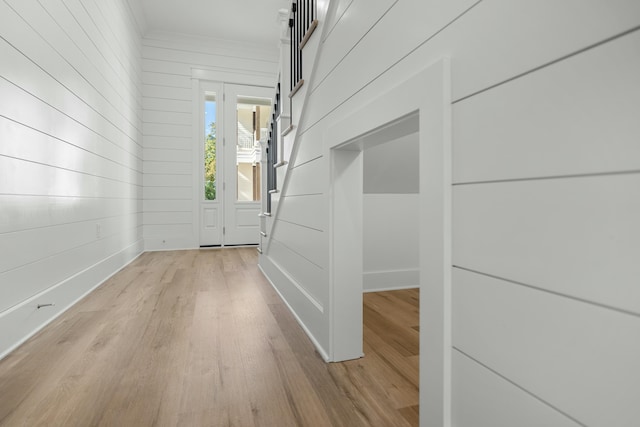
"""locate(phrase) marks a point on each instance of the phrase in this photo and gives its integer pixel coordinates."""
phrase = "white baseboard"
(154, 244)
(295, 298)
(21, 322)
(377, 281)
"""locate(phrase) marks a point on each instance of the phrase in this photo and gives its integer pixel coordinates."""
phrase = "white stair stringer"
(311, 53)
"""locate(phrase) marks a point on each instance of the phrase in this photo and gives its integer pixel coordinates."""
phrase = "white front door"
(210, 149)
(235, 120)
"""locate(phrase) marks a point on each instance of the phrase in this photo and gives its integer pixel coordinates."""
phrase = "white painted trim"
(288, 130)
(199, 87)
(300, 289)
(400, 288)
(435, 248)
(197, 123)
(245, 77)
(280, 164)
(214, 45)
(346, 253)
(374, 281)
(20, 315)
(315, 342)
(155, 244)
(429, 94)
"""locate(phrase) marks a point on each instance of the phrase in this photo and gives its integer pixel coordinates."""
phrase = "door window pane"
(253, 116)
(210, 146)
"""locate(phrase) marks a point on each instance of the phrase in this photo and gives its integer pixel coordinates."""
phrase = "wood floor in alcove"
(199, 338)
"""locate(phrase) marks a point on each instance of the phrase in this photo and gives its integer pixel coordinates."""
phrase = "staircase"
(298, 45)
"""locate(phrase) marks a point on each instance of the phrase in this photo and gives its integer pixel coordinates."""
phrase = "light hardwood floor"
(199, 338)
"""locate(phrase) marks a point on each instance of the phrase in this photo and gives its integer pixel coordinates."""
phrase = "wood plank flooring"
(199, 338)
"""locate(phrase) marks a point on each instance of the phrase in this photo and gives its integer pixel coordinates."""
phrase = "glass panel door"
(211, 212)
(247, 112)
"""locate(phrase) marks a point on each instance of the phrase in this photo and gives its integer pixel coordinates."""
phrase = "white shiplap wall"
(70, 154)
(173, 67)
(546, 164)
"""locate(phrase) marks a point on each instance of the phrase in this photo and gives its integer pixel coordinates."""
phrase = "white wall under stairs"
(546, 307)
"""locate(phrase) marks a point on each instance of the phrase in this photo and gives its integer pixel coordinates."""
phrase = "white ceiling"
(252, 21)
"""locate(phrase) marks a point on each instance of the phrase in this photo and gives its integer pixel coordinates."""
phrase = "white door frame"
(216, 237)
(241, 218)
(428, 94)
(199, 87)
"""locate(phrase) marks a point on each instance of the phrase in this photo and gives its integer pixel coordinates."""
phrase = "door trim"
(198, 156)
(429, 94)
(198, 86)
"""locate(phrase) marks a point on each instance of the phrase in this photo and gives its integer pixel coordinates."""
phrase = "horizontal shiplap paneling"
(169, 231)
(17, 325)
(23, 282)
(236, 62)
(340, 8)
(70, 156)
(24, 74)
(310, 210)
(310, 146)
(578, 357)
(307, 242)
(166, 67)
(204, 45)
(166, 155)
(160, 218)
(420, 19)
(555, 121)
(573, 236)
(109, 82)
(170, 65)
(307, 275)
(166, 205)
(39, 179)
(343, 37)
(168, 117)
(479, 54)
(164, 180)
(167, 142)
(24, 142)
(170, 168)
(482, 398)
(35, 49)
(20, 248)
(291, 293)
(173, 193)
(100, 31)
(168, 105)
(21, 212)
(166, 79)
(306, 179)
(24, 108)
(166, 92)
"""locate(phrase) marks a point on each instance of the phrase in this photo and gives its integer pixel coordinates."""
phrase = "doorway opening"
(376, 178)
(233, 123)
(424, 99)
(391, 274)
(363, 204)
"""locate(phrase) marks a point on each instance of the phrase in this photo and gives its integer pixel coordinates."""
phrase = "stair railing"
(302, 23)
